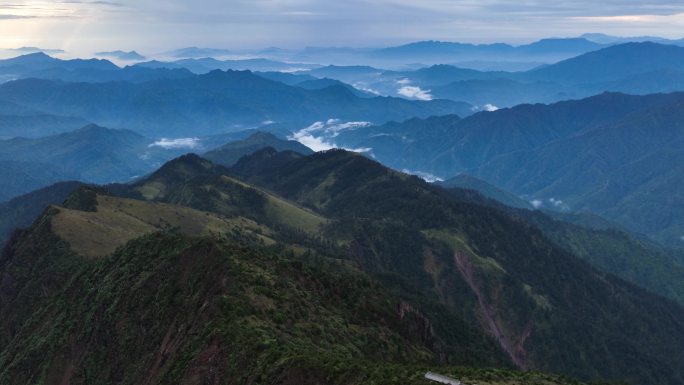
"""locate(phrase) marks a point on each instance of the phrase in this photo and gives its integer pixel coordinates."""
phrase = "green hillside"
(229, 306)
(602, 243)
(547, 308)
(320, 269)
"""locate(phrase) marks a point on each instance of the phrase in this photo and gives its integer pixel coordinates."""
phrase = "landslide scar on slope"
(516, 349)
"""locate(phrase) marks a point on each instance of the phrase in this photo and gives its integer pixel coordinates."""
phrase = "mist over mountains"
(212, 103)
(500, 214)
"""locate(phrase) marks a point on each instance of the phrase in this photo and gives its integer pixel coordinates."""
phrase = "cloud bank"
(320, 135)
(412, 92)
(426, 176)
(552, 202)
(180, 143)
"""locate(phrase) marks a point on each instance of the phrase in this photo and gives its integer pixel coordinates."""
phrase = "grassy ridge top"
(119, 220)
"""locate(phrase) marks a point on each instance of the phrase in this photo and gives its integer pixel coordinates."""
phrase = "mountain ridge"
(437, 252)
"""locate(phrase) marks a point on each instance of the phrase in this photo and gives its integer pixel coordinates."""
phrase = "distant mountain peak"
(259, 135)
(33, 58)
(122, 55)
(190, 159)
(92, 127)
(95, 129)
(37, 55)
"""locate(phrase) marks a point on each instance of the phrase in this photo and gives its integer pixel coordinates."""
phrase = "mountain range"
(455, 281)
(614, 155)
(16, 120)
(234, 217)
(90, 145)
(40, 65)
(478, 56)
(87, 154)
(94, 154)
(207, 64)
(505, 56)
(91, 154)
(637, 68)
(213, 103)
(122, 55)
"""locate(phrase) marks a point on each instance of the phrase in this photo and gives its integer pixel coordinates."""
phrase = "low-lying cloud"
(552, 202)
(412, 92)
(25, 50)
(320, 135)
(556, 202)
(426, 176)
(189, 143)
(369, 90)
(487, 107)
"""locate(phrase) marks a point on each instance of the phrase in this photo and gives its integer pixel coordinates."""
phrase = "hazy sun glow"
(654, 19)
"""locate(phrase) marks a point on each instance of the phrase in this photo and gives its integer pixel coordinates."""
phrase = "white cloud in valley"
(415, 92)
(486, 107)
(180, 143)
(320, 136)
(411, 91)
(426, 176)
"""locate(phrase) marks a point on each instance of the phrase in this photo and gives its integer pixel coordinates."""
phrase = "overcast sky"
(152, 26)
